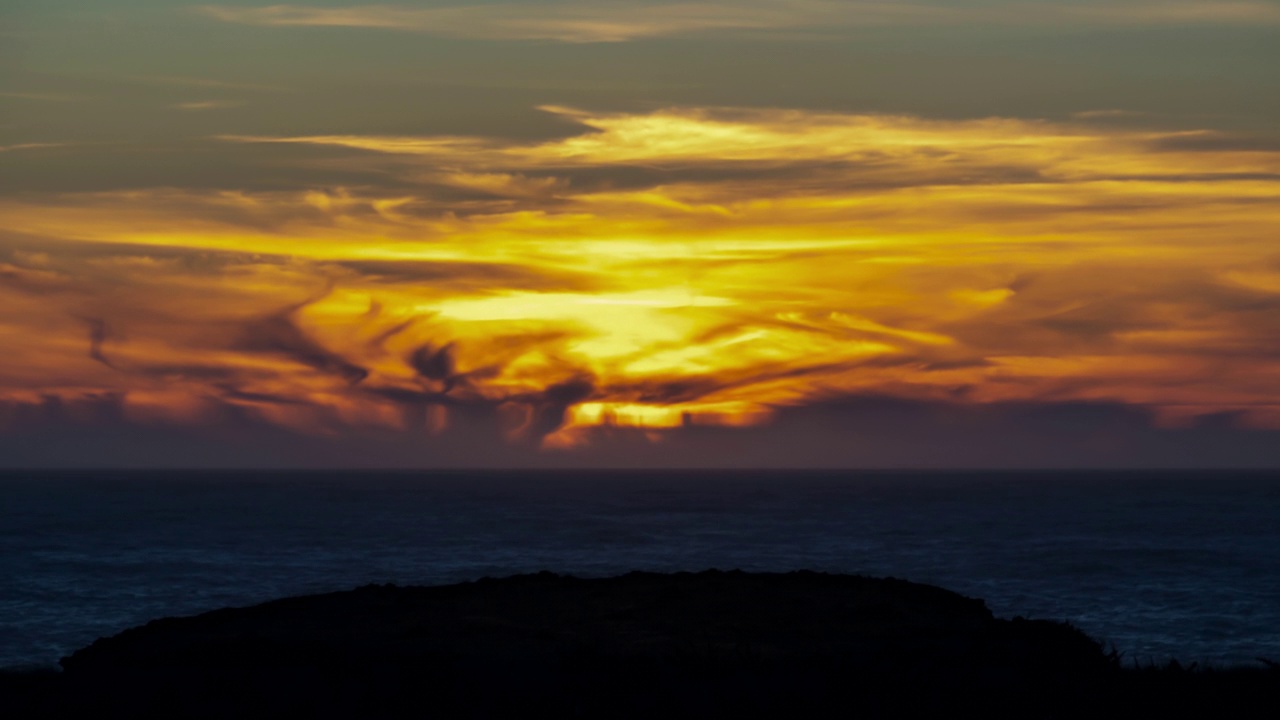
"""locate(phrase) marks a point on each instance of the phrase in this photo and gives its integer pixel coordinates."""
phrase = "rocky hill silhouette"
(710, 644)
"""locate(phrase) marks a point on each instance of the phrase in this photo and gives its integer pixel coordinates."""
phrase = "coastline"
(632, 645)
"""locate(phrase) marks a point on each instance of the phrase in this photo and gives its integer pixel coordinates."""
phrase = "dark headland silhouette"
(709, 644)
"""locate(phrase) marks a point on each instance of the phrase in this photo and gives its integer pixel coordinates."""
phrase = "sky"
(561, 233)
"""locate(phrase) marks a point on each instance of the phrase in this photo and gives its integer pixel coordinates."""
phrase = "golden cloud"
(673, 267)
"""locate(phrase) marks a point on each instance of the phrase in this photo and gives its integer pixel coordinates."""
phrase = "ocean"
(1158, 565)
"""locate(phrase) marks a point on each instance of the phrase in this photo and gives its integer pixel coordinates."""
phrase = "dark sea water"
(1161, 565)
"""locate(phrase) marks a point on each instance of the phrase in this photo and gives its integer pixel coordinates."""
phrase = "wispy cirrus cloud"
(593, 22)
(910, 149)
(204, 82)
(1195, 11)
(562, 21)
(200, 105)
(1106, 113)
(41, 97)
(705, 263)
(29, 146)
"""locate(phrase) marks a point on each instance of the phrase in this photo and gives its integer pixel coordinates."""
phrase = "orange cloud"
(672, 268)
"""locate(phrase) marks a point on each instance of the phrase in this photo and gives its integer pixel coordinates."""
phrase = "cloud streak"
(201, 105)
(29, 146)
(562, 22)
(597, 22)
(664, 271)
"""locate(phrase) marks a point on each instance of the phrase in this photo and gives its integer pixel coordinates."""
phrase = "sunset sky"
(561, 233)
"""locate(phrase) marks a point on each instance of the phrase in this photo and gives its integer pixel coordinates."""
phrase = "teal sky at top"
(110, 77)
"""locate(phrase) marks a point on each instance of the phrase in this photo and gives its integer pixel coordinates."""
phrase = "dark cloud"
(551, 405)
(68, 251)
(437, 368)
(378, 341)
(1215, 142)
(787, 177)
(98, 333)
(465, 274)
(857, 431)
(689, 389)
(36, 281)
(231, 392)
(207, 164)
(1089, 307)
(943, 365)
(666, 391)
(186, 164)
(279, 334)
(1196, 178)
(442, 385)
(434, 363)
(411, 397)
(196, 372)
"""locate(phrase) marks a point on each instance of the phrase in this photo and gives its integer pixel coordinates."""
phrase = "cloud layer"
(652, 273)
(593, 22)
